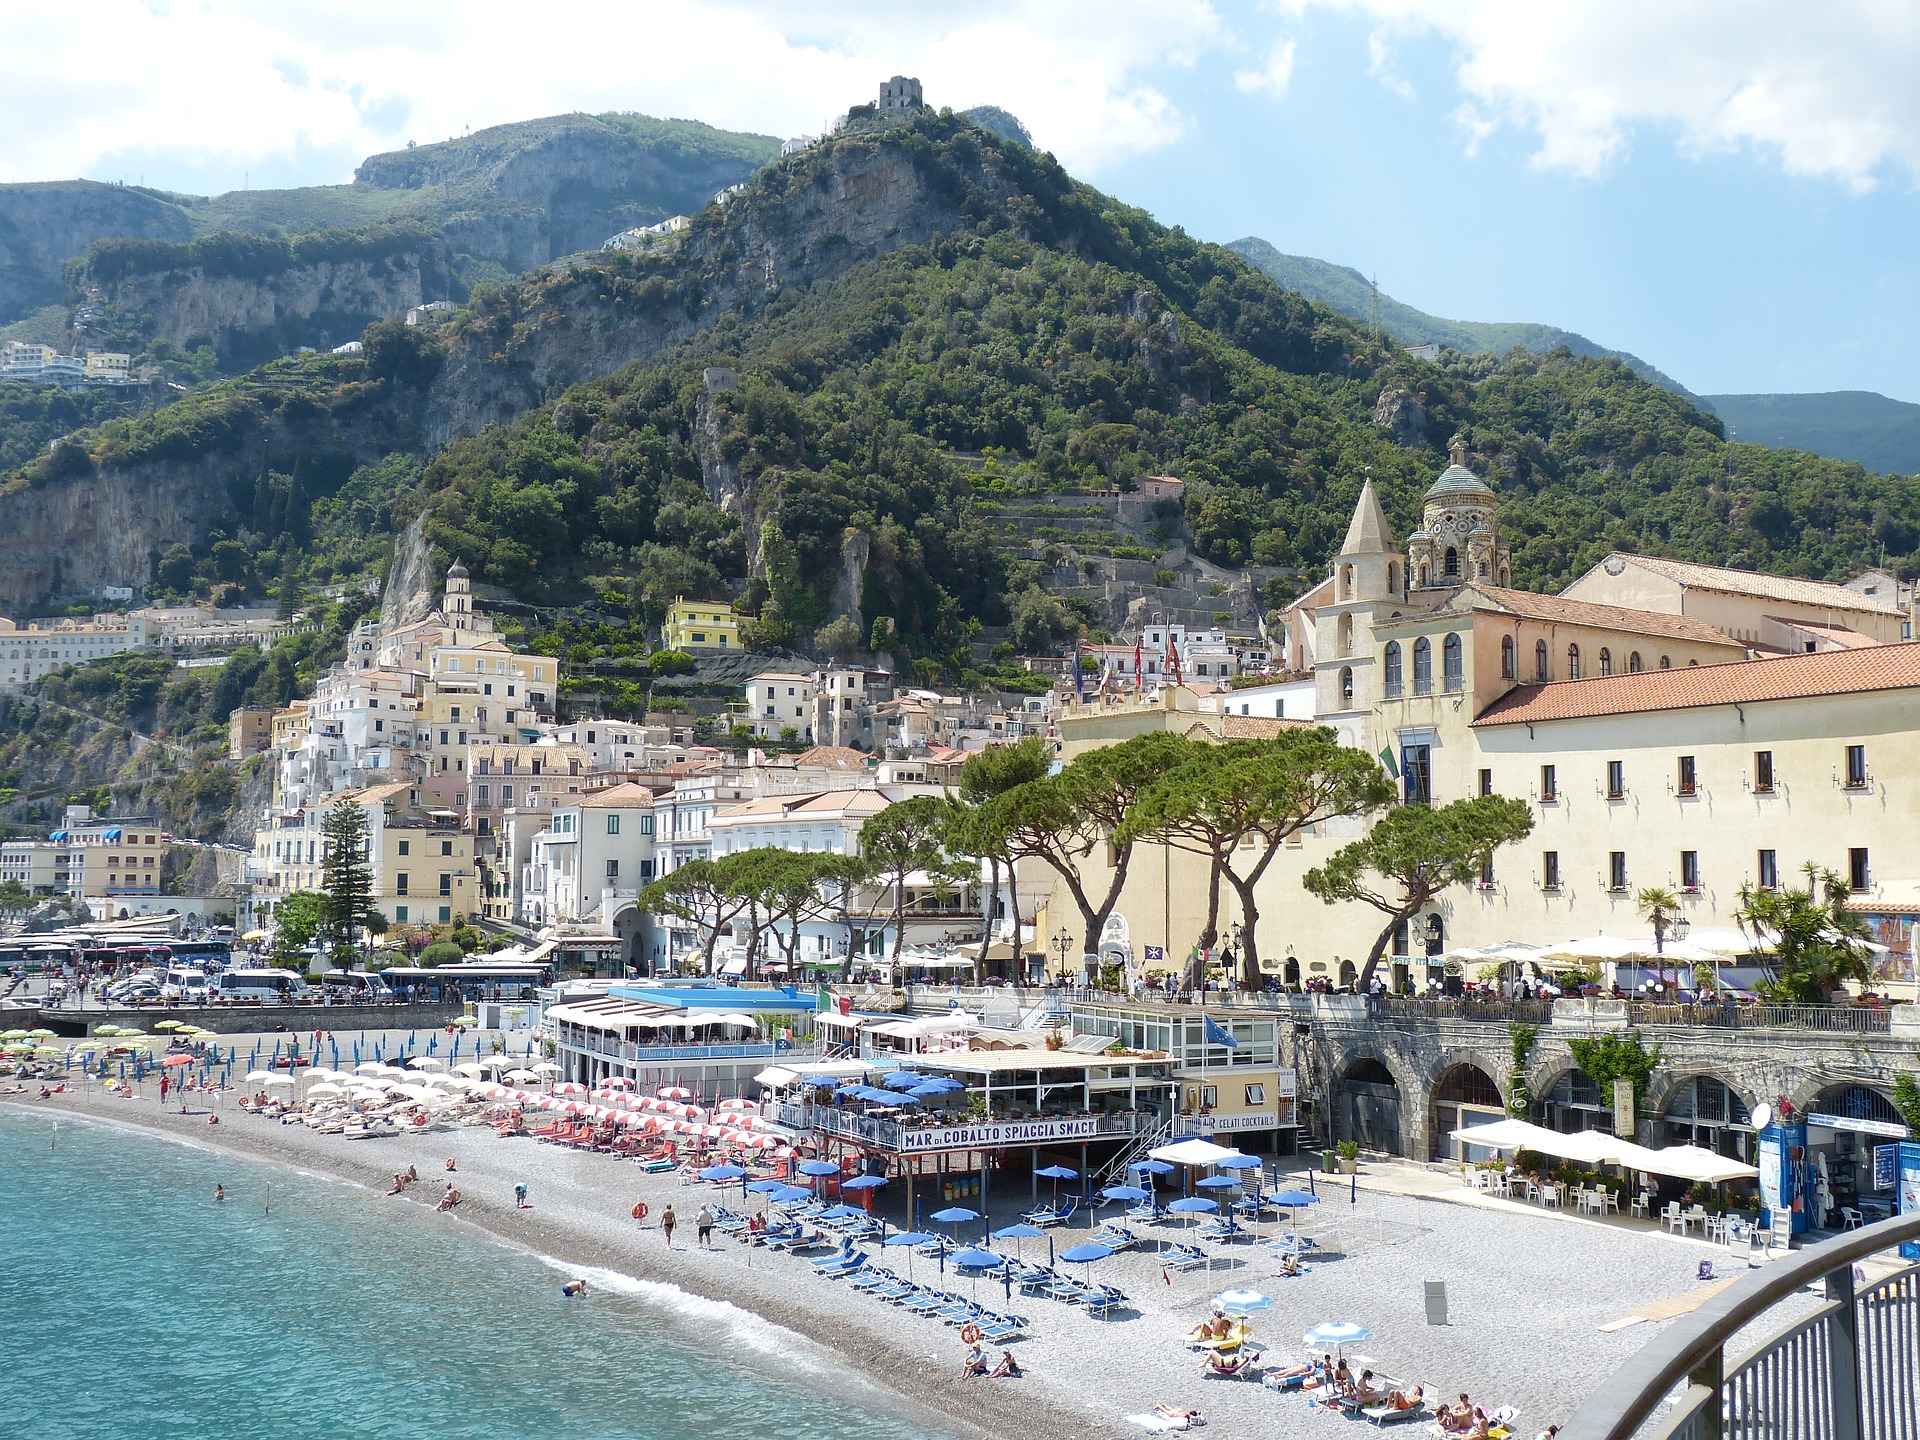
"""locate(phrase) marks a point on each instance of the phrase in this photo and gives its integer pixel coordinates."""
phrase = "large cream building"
(1670, 725)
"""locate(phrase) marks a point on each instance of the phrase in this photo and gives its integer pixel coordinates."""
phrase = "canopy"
(1194, 1152)
(1594, 1147)
(1506, 1135)
(1691, 1162)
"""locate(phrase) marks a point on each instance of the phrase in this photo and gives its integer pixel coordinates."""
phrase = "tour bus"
(260, 986)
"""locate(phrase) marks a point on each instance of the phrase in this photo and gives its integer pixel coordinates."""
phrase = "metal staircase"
(1117, 1169)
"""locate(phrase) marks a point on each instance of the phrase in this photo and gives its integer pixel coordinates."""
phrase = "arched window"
(1346, 582)
(1393, 578)
(1506, 657)
(1573, 662)
(1452, 564)
(1606, 661)
(1346, 684)
(1423, 577)
(1393, 667)
(1423, 666)
(1450, 662)
(1345, 629)
(1633, 663)
(1540, 663)
(1665, 663)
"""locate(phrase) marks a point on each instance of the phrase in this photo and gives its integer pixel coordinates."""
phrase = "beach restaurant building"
(710, 1039)
(1008, 1108)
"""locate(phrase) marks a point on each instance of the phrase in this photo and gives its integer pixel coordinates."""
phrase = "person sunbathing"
(1482, 1426)
(1365, 1393)
(1305, 1367)
(450, 1199)
(1222, 1365)
(1008, 1368)
(1290, 1265)
(1457, 1419)
(1216, 1328)
(398, 1185)
(1406, 1399)
(1188, 1418)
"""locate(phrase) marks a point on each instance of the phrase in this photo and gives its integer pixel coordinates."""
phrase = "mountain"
(1856, 425)
(1339, 287)
(454, 213)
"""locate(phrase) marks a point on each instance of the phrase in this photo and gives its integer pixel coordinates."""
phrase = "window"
(1450, 663)
(613, 824)
(1256, 1095)
(1416, 773)
(646, 869)
(1856, 767)
(1573, 662)
(1452, 564)
(1633, 663)
(446, 883)
(455, 714)
(506, 794)
(400, 881)
(1423, 666)
(1763, 771)
(1769, 870)
(1689, 869)
(1506, 657)
(613, 869)
(1549, 784)
(446, 914)
(1541, 670)
(1486, 783)
(1859, 876)
(1606, 661)
(1687, 783)
(1486, 873)
(406, 847)
(446, 847)
(399, 914)
(1346, 685)
(1616, 779)
(1393, 677)
(1666, 663)
(1550, 870)
(1616, 870)
(1345, 634)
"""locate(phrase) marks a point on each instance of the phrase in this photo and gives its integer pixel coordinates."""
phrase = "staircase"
(1118, 1168)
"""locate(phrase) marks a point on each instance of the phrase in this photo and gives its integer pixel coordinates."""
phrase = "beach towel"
(1159, 1424)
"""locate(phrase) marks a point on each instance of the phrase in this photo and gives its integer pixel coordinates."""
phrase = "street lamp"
(1062, 943)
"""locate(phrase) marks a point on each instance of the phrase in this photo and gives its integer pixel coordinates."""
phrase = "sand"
(1528, 1292)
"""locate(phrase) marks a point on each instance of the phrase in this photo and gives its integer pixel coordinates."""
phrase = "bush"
(441, 952)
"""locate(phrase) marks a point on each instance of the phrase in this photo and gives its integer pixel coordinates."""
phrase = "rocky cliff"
(251, 318)
(41, 225)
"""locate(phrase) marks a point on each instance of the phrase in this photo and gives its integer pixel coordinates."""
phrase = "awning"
(1193, 1152)
(834, 1017)
(777, 1075)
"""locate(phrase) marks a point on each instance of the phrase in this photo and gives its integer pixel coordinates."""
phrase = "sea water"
(134, 1304)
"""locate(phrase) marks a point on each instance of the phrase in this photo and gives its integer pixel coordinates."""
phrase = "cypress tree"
(348, 878)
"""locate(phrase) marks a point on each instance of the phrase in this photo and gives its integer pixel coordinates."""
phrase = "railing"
(660, 1054)
(1848, 1371)
(892, 1134)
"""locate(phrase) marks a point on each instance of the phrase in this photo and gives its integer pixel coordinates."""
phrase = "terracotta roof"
(1751, 583)
(1840, 635)
(1558, 610)
(1744, 682)
(806, 807)
(1241, 727)
(832, 757)
(625, 796)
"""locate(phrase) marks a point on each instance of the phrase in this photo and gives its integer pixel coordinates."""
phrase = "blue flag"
(1217, 1034)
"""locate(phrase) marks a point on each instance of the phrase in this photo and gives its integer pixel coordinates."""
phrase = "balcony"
(621, 1051)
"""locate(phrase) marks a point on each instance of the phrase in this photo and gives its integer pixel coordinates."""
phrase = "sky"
(1727, 190)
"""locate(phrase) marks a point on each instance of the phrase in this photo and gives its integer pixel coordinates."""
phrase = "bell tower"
(1458, 542)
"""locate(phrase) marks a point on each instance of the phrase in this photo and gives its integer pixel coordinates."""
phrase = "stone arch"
(1545, 1078)
(1377, 1098)
(1817, 1091)
(1725, 1132)
(1464, 1089)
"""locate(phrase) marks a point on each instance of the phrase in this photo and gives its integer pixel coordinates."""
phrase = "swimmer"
(574, 1288)
(219, 1192)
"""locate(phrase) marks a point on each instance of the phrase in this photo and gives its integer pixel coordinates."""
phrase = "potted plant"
(1349, 1152)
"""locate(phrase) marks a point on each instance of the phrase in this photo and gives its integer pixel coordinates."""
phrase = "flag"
(1217, 1034)
(845, 1004)
(1386, 759)
(1079, 674)
(1173, 659)
(1136, 668)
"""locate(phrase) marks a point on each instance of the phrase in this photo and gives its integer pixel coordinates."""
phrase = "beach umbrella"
(1152, 1167)
(1293, 1200)
(910, 1239)
(903, 1080)
(1239, 1162)
(864, 1182)
(255, 1077)
(842, 1212)
(546, 1067)
(278, 1080)
(427, 1062)
(1332, 1334)
(1018, 1232)
(787, 1194)
(174, 1062)
(1241, 1302)
(938, 1085)
(1057, 1173)
(765, 1187)
(819, 1167)
(721, 1174)
(1194, 1205)
(1217, 1182)
(1126, 1192)
(954, 1215)
(674, 1092)
(1085, 1254)
(464, 1021)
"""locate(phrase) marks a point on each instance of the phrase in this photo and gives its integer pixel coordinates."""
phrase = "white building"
(40, 647)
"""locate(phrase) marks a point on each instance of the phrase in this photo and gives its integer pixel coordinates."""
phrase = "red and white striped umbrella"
(738, 1103)
(674, 1092)
(571, 1087)
(619, 1082)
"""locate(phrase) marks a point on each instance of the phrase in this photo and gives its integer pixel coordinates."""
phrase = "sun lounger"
(1046, 1215)
(1145, 1210)
(873, 1277)
(1184, 1257)
(1157, 1423)
(1104, 1302)
(1070, 1291)
(997, 1328)
(1116, 1237)
(841, 1264)
(1384, 1415)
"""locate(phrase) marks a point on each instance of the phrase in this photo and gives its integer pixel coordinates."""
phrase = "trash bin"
(1329, 1162)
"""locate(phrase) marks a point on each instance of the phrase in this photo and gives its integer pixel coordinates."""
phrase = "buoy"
(970, 1333)
(640, 1210)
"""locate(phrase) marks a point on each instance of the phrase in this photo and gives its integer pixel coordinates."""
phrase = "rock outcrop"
(42, 225)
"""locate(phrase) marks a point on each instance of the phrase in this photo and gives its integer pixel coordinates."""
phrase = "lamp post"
(1062, 943)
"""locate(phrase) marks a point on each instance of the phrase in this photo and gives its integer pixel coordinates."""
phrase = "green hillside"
(1342, 288)
(1856, 425)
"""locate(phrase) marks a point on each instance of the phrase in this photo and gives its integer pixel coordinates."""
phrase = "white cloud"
(222, 85)
(1275, 76)
(1380, 66)
(1825, 89)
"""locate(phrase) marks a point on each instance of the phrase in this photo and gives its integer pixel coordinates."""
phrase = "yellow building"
(1653, 752)
(700, 625)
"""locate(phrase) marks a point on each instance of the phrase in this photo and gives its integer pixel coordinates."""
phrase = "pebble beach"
(1528, 1292)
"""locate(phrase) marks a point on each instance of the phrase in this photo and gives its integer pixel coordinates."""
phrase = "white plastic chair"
(1673, 1218)
(1850, 1218)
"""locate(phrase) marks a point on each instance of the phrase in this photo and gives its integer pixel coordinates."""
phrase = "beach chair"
(874, 1277)
(1104, 1301)
(894, 1290)
(844, 1263)
(1184, 1257)
(1116, 1237)
(1146, 1210)
(927, 1302)
(997, 1328)
(1070, 1292)
(1046, 1216)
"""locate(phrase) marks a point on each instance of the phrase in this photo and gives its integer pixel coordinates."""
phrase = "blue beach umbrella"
(1217, 1182)
(1239, 1162)
(938, 1085)
(864, 1182)
(1293, 1198)
(1126, 1192)
(910, 1239)
(819, 1167)
(902, 1080)
(954, 1215)
(787, 1194)
(721, 1174)
(1057, 1173)
(1085, 1254)
(977, 1259)
(1021, 1231)
(842, 1212)
(1152, 1167)
(1193, 1205)
(1241, 1302)
(765, 1187)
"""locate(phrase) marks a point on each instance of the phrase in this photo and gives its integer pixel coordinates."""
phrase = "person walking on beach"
(703, 1227)
(667, 1217)
(520, 1196)
(163, 1087)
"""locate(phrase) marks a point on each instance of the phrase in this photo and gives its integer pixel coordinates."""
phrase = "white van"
(184, 986)
(360, 985)
(262, 986)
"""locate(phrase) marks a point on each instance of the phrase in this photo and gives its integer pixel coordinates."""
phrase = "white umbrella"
(286, 1080)
(470, 1067)
(259, 1076)
(427, 1062)
(368, 1067)
(324, 1088)
(546, 1067)
(1691, 1162)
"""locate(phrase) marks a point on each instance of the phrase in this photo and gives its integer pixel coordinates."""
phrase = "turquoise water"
(133, 1305)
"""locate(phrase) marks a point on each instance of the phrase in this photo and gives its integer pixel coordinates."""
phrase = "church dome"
(456, 571)
(1458, 480)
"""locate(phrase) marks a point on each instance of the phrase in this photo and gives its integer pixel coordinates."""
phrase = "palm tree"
(1658, 905)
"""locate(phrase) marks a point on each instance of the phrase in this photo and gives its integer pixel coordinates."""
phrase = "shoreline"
(916, 1386)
